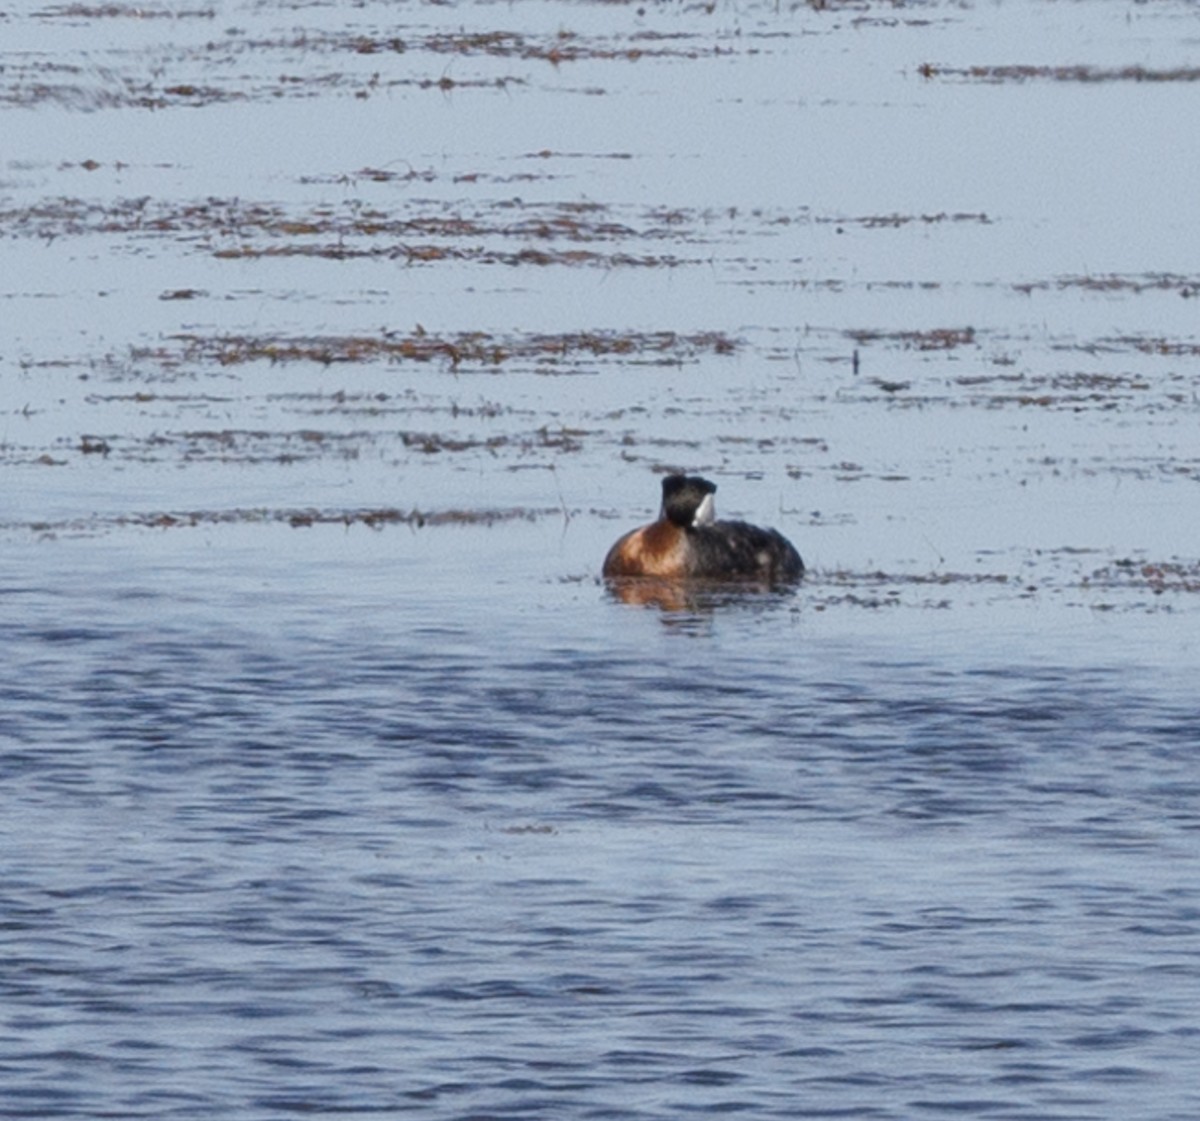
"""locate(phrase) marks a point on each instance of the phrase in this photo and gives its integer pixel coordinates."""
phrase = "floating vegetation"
(507, 231)
(92, 12)
(1053, 573)
(427, 254)
(1077, 73)
(299, 518)
(1069, 389)
(1173, 348)
(879, 578)
(416, 232)
(895, 221)
(1154, 576)
(410, 174)
(317, 61)
(1186, 286)
(236, 218)
(1154, 345)
(562, 46)
(33, 83)
(260, 446)
(556, 48)
(939, 338)
(481, 350)
(877, 589)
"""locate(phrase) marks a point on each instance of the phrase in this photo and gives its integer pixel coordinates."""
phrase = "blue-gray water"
(282, 845)
(337, 344)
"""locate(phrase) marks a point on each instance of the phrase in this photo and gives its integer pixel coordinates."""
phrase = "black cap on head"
(682, 495)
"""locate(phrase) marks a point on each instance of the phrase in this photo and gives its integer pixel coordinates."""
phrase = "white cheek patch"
(706, 512)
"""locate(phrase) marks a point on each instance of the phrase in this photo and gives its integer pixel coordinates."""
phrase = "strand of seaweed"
(297, 517)
(1069, 73)
(473, 348)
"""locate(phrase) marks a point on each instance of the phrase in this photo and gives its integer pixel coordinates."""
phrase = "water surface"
(338, 344)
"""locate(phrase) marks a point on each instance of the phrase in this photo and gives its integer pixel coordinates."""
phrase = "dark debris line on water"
(475, 348)
(1072, 73)
(505, 231)
(356, 63)
(374, 518)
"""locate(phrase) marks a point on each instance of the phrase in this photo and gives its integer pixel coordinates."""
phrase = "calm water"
(337, 343)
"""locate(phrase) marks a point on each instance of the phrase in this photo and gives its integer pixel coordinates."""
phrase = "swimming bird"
(688, 543)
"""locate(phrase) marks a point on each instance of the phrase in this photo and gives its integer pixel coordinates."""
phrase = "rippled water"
(278, 845)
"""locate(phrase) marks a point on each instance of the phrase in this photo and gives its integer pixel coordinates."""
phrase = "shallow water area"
(338, 344)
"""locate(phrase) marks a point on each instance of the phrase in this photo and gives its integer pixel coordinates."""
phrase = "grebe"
(688, 543)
